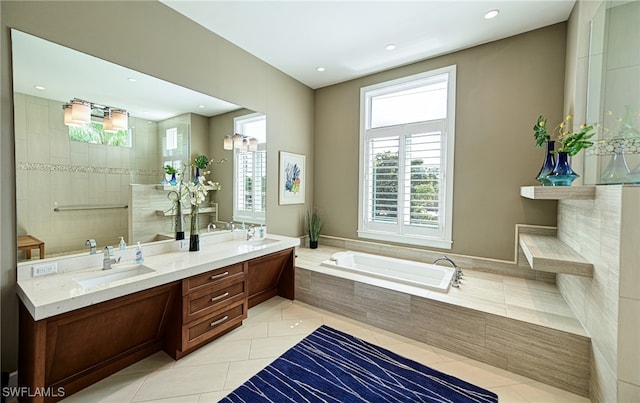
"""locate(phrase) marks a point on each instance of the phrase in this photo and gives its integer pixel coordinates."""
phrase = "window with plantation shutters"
(406, 172)
(250, 172)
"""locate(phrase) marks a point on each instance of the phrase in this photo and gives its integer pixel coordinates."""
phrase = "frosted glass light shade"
(237, 141)
(253, 144)
(80, 112)
(119, 119)
(107, 123)
(228, 142)
(67, 117)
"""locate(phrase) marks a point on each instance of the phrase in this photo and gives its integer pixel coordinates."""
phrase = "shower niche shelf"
(558, 192)
(548, 253)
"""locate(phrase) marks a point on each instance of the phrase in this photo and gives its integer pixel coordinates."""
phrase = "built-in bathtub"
(422, 275)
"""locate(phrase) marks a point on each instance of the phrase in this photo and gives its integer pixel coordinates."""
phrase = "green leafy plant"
(314, 225)
(169, 169)
(570, 143)
(201, 161)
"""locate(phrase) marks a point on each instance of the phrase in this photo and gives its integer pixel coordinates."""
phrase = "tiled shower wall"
(606, 231)
(53, 171)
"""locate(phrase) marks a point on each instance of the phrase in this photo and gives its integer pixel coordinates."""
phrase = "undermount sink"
(262, 242)
(117, 273)
(252, 245)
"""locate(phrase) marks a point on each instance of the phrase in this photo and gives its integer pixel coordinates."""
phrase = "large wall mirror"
(613, 102)
(103, 186)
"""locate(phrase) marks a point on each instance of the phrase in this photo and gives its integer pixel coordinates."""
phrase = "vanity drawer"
(200, 332)
(211, 299)
(209, 278)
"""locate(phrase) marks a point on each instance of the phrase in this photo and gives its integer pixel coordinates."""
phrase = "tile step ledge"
(558, 192)
(550, 254)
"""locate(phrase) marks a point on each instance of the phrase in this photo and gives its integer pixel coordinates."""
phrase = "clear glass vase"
(617, 170)
(194, 233)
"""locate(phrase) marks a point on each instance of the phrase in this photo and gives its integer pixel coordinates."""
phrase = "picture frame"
(292, 183)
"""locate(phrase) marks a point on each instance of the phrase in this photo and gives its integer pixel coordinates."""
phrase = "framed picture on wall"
(292, 178)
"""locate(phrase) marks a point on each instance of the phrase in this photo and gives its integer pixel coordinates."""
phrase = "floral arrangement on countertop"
(570, 143)
(195, 191)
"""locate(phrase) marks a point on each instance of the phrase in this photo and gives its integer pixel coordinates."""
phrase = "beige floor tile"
(216, 353)
(479, 374)
(176, 399)
(293, 327)
(300, 311)
(183, 381)
(417, 352)
(507, 394)
(155, 362)
(213, 397)
(240, 372)
(247, 331)
(541, 393)
(342, 323)
(272, 347)
(385, 338)
(117, 388)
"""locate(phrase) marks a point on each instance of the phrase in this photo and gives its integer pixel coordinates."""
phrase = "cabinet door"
(271, 275)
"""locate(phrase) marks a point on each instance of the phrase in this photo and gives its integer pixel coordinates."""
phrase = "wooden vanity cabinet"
(271, 275)
(70, 351)
(76, 349)
(213, 303)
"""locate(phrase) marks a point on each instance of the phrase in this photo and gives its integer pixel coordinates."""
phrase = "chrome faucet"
(231, 226)
(109, 258)
(92, 244)
(457, 273)
(211, 227)
(251, 232)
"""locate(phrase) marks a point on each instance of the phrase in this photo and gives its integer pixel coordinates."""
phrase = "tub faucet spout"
(457, 273)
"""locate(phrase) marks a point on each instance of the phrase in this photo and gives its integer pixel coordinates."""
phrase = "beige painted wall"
(147, 32)
(502, 87)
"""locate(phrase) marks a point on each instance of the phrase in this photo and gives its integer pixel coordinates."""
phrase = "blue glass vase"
(548, 165)
(173, 180)
(562, 174)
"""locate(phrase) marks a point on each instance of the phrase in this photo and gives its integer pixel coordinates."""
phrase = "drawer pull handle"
(219, 321)
(214, 299)
(217, 276)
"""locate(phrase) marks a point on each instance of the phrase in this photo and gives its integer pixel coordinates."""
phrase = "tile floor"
(273, 327)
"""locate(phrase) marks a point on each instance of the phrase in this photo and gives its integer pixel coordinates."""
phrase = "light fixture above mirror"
(241, 142)
(78, 113)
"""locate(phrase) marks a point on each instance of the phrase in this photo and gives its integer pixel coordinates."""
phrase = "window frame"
(400, 232)
(247, 216)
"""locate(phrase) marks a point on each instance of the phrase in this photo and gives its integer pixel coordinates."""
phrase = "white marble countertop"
(54, 294)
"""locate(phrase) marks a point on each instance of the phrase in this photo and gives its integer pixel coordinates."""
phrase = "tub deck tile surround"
(517, 324)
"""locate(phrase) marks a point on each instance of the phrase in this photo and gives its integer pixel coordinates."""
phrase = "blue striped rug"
(332, 366)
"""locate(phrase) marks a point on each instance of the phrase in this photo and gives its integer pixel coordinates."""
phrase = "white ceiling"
(348, 38)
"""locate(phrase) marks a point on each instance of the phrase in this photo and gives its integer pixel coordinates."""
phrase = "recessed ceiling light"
(201, 106)
(320, 69)
(491, 14)
(131, 79)
(39, 87)
(390, 46)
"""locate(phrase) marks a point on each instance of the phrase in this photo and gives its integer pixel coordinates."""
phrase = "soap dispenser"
(123, 244)
(139, 257)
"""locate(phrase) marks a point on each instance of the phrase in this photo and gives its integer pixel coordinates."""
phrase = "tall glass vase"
(179, 226)
(194, 233)
(547, 166)
(562, 174)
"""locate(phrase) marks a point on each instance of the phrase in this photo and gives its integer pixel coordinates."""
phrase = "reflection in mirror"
(69, 191)
(613, 101)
